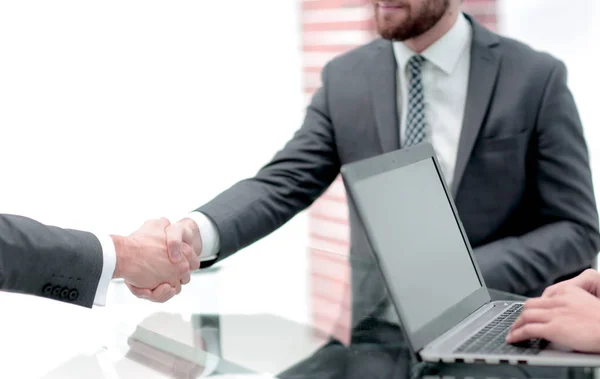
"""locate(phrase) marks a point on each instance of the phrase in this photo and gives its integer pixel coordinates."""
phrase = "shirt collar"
(445, 52)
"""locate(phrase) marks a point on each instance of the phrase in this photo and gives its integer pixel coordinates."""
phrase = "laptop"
(427, 264)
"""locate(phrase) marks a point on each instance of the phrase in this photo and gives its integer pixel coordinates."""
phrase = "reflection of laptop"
(427, 264)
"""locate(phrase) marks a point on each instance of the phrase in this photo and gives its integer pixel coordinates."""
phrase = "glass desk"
(206, 332)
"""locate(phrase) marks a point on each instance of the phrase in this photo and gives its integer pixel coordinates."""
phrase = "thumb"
(174, 236)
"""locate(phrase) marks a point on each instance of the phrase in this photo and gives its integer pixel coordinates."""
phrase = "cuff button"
(56, 291)
(47, 289)
(73, 295)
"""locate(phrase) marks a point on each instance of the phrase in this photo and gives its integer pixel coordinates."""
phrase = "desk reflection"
(166, 345)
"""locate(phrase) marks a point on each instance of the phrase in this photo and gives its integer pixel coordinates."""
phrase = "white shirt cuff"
(211, 242)
(109, 263)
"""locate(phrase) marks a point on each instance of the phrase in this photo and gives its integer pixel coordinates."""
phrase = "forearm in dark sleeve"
(296, 176)
(41, 260)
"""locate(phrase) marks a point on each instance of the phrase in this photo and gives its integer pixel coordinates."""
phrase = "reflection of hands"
(183, 238)
(570, 317)
(589, 281)
(143, 261)
(166, 343)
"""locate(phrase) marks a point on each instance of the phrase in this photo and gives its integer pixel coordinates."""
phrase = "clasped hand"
(158, 258)
(567, 313)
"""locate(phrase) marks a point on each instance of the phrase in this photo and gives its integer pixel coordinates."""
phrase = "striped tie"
(416, 125)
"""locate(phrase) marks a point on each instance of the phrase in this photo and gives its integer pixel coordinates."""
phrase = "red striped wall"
(329, 28)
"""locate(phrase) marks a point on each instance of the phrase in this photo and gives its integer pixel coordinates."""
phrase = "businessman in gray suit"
(503, 124)
(76, 266)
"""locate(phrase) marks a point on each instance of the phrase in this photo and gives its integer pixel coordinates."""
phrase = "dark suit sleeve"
(567, 239)
(294, 178)
(60, 264)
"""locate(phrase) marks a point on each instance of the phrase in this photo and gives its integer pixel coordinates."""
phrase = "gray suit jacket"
(522, 183)
(41, 260)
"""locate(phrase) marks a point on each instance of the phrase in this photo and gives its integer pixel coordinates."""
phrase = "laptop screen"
(417, 237)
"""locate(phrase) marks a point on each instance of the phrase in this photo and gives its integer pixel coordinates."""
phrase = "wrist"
(123, 256)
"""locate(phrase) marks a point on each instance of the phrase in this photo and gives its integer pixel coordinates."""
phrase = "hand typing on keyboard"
(491, 338)
(589, 280)
(569, 315)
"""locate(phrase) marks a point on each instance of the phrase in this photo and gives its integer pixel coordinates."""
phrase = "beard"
(392, 27)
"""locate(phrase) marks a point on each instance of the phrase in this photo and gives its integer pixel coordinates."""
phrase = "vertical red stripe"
(330, 277)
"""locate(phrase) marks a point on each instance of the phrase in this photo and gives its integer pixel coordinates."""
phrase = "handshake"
(158, 258)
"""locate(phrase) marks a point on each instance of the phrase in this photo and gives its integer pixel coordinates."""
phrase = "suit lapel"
(483, 73)
(384, 97)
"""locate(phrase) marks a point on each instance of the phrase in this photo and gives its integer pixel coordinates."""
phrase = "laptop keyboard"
(491, 339)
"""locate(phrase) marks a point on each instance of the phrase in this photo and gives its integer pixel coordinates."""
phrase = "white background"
(114, 112)
(117, 111)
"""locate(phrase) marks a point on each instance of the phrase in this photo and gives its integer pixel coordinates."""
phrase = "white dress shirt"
(445, 76)
(109, 264)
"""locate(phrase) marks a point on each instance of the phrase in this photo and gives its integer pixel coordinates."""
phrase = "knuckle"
(526, 330)
(164, 295)
(187, 251)
(184, 267)
(590, 272)
(175, 229)
(549, 290)
(187, 222)
(173, 242)
(518, 333)
(562, 300)
(164, 222)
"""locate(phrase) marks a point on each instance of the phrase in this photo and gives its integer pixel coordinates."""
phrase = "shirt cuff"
(109, 263)
(211, 242)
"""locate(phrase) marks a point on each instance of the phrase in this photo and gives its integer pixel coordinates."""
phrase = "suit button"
(64, 293)
(47, 290)
(73, 295)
